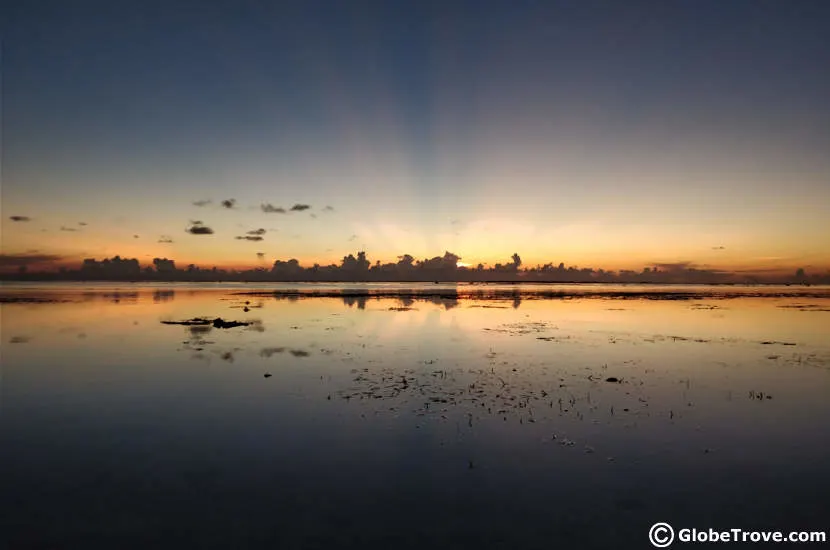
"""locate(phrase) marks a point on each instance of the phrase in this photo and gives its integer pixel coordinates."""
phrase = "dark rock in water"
(613, 379)
(268, 375)
(217, 323)
(189, 322)
(221, 323)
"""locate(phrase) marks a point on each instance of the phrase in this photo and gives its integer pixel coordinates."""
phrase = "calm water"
(475, 416)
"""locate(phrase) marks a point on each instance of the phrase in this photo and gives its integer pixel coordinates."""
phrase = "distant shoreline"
(33, 292)
(58, 281)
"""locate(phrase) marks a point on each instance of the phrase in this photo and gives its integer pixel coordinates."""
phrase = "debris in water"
(200, 321)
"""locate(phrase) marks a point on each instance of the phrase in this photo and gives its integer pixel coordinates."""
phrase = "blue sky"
(604, 133)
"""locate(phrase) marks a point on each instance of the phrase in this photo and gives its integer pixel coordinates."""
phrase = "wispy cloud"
(165, 239)
(82, 224)
(253, 235)
(15, 260)
(64, 228)
(300, 207)
(203, 202)
(269, 208)
(260, 255)
(674, 266)
(20, 218)
(229, 203)
(328, 208)
(681, 267)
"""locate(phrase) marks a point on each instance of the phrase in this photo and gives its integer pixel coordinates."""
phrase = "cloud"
(135, 236)
(64, 228)
(198, 228)
(253, 235)
(300, 207)
(681, 267)
(328, 208)
(165, 239)
(203, 202)
(718, 248)
(15, 260)
(353, 237)
(82, 224)
(20, 218)
(676, 266)
(269, 208)
(229, 203)
(260, 255)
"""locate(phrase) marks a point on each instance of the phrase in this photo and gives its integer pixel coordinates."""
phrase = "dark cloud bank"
(406, 269)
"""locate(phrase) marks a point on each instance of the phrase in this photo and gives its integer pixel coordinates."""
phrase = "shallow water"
(452, 416)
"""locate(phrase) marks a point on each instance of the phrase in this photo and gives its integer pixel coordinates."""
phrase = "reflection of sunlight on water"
(643, 397)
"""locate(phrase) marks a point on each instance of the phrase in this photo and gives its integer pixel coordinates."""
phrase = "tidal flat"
(453, 416)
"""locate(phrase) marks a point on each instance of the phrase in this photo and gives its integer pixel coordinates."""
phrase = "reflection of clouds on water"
(268, 352)
(163, 295)
(524, 403)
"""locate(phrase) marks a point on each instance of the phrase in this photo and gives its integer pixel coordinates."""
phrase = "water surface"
(460, 416)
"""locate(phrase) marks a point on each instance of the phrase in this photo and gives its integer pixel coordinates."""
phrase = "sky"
(604, 134)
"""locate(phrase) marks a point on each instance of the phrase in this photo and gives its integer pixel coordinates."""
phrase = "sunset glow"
(490, 140)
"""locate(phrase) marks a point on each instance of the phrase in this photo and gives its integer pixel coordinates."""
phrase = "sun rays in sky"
(598, 138)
